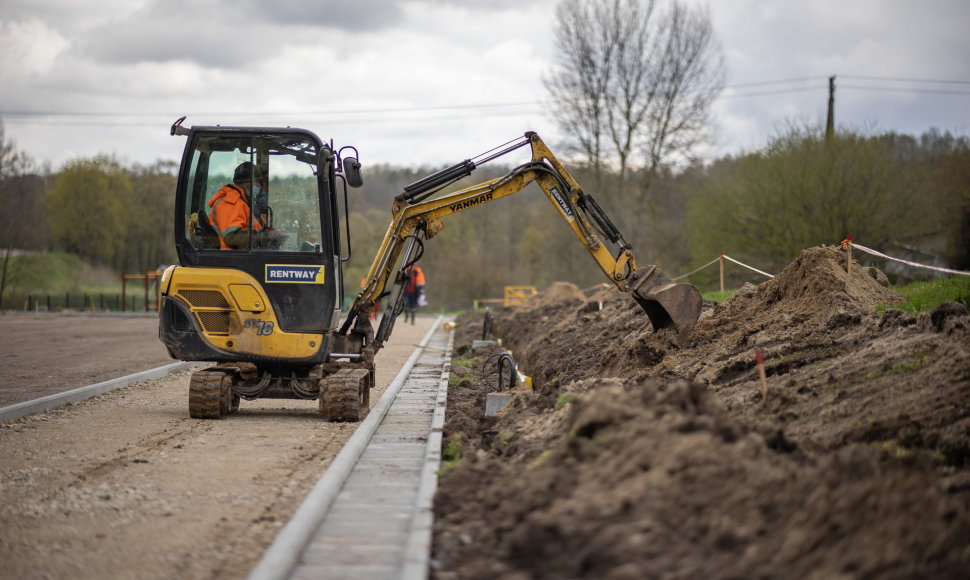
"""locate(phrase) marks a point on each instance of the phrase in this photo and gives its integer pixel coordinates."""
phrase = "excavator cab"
(257, 231)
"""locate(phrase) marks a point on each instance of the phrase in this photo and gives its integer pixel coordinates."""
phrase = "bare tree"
(688, 74)
(586, 42)
(633, 81)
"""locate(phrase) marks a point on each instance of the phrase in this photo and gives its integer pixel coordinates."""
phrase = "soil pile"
(634, 457)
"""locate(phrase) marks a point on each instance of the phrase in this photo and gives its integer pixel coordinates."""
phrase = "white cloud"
(28, 48)
(385, 74)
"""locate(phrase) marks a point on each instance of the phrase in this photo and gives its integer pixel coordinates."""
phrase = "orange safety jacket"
(416, 280)
(230, 213)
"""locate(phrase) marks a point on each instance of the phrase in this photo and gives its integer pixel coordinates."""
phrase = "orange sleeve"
(232, 214)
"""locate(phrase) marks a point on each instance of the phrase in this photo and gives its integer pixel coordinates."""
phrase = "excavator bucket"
(667, 304)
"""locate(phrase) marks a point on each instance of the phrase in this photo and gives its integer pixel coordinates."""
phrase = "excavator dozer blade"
(668, 304)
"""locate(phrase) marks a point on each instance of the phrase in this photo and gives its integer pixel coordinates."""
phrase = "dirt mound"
(812, 293)
(633, 457)
(557, 294)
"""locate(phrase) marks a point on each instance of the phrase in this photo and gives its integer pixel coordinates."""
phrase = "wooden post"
(124, 283)
(830, 118)
(146, 290)
(848, 264)
(721, 260)
(761, 374)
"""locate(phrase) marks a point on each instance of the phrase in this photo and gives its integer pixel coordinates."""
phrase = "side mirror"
(352, 172)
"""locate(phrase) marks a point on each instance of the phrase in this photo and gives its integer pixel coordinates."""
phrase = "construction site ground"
(126, 485)
(633, 457)
(45, 354)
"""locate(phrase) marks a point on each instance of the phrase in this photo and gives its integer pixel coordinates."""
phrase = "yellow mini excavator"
(258, 290)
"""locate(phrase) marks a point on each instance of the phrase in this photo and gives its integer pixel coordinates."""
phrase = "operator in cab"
(229, 213)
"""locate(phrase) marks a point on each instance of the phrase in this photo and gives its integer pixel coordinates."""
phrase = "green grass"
(564, 399)
(58, 272)
(451, 453)
(926, 296)
(717, 295)
(920, 296)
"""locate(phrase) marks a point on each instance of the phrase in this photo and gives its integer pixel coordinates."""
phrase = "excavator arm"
(667, 304)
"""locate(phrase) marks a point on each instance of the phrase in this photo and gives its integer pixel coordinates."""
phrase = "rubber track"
(206, 396)
(343, 399)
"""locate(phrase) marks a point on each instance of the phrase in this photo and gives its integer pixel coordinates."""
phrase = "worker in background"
(229, 213)
(413, 291)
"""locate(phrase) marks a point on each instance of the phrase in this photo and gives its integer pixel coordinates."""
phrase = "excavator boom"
(415, 217)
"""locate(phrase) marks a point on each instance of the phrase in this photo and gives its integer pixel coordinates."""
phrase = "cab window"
(253, 193)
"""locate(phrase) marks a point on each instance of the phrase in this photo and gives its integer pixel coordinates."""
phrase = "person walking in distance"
(413, 291)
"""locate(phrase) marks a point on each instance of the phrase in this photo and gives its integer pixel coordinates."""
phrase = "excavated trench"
(632, 457)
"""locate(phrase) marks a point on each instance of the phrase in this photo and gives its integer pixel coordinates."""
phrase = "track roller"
(345, 395)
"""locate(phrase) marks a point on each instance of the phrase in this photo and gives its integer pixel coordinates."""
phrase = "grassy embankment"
(55, 277)
(921, 296)
(58, 272)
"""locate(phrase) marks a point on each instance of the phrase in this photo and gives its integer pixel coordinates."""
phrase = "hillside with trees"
(895, 193)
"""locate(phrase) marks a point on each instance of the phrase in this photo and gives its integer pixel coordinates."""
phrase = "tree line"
(891, 191)
(97, 208)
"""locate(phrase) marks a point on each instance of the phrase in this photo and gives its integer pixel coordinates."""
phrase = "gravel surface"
(126, 485)
(44, 354)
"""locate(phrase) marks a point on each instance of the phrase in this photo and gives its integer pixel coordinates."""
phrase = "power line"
(776, 82)
(777, 92)
(20, 116)
(901, 90)
(850, 86)
(904, 80)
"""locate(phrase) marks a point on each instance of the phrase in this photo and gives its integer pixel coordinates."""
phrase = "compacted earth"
(46, 354)
(633, 456)
(127, 485)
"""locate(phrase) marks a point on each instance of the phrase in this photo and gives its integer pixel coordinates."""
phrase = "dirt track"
(128, 486)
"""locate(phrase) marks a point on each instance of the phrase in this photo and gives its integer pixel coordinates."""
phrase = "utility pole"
(830, 120)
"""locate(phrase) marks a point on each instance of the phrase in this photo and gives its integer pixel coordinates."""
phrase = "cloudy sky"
(437, 81)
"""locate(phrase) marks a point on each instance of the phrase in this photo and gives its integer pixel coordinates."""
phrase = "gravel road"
(45, 354)
(126, 485)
